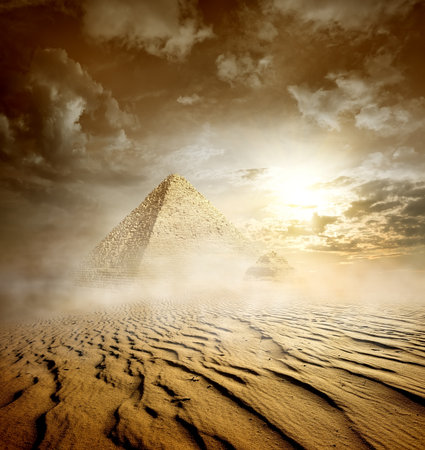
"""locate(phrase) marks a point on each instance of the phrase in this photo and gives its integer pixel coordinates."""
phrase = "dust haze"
(56, 290)
(55, 277)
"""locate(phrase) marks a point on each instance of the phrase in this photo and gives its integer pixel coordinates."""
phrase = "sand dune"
(216, 375)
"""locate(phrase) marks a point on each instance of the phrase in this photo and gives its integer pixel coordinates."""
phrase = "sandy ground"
(216, 374)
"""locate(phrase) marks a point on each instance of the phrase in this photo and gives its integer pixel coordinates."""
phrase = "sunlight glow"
(297, 196)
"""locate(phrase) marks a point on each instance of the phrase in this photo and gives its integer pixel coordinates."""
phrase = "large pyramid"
(173, 232)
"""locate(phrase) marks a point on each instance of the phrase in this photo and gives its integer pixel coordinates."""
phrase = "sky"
(301, 120)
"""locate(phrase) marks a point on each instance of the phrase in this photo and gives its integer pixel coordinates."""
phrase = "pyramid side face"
(192, 242)
(120, 251)
(188, 221)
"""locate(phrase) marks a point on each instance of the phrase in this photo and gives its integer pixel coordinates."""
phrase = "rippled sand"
(216, 374)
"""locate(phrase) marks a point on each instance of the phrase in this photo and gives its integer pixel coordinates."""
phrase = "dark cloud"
(363, 97)
(381, 190)
(349, 14)
(243, 69)
(294, 230)
(403, 232)
(365, 207)
(416, 207)
(319, 223)
(70, 126)
(389, 214)
(40, 191)
(164, 28)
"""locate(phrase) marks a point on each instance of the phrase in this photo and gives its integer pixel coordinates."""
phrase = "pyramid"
(270, 266)
(174, 230)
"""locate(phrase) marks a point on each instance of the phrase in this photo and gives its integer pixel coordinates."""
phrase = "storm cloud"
(164, 28)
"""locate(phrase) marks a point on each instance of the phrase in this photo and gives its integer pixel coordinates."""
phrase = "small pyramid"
(270, 266)
(173, 228)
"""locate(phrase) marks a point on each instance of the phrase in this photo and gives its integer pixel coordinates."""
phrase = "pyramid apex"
(175, 176)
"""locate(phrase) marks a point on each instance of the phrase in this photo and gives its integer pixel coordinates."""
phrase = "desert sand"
(216, 373)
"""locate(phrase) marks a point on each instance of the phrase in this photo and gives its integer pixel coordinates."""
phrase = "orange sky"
(303, 121)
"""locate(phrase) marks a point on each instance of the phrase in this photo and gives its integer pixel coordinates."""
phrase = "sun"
(298, 193)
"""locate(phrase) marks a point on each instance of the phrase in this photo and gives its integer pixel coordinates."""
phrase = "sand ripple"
(216, 375)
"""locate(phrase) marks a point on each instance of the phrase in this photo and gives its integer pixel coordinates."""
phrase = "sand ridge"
(216, 374)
